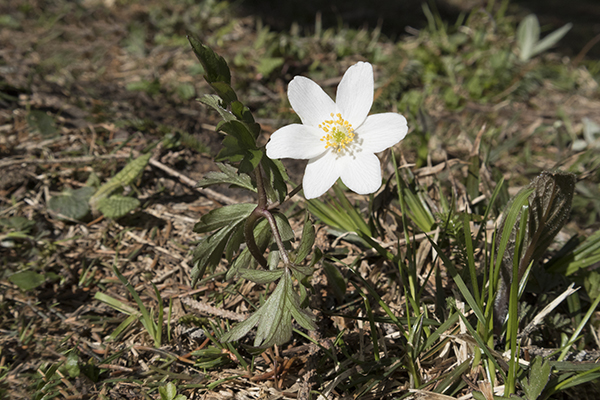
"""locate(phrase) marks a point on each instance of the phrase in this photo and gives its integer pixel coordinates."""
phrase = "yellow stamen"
(339, 132)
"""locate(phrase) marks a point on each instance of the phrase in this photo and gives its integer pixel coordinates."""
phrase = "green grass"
(405, 281)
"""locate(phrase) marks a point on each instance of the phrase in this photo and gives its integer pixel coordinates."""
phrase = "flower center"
(339, 132)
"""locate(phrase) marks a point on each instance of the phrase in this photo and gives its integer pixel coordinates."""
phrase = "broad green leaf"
(285, 230)
(539, 374)
(123, 178)
(260, 276)
(214, 65)
(72, 203)
(223, 216)
(117, 206)
(27, 280)
(224, 91)
(228, 175)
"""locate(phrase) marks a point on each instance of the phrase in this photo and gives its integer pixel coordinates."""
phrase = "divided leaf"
(223, 216)
(274, 317)
(228, 175)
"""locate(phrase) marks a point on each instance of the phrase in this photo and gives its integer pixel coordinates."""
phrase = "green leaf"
(123, 178)
(539, 374)
(262, 236)
(117, 206)
(307, 240)
(231, 151)
(223, 216)
(42, 122)
(260, 276)
(71, 365)
(27, 280)
(275, 179)
(214, 101)
(251, 160)
(209, 251)
(228, 175)
(336, 280)
(72, 203)
(224, 91)
(274, 317)
(214, 65)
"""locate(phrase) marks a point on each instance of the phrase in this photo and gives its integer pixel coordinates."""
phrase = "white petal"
(310, 102)
(381, 131)
(355, 93)
(321, 173)
(295, 141)
(362, 174)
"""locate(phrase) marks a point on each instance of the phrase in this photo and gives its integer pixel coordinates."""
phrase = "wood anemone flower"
(338, 138)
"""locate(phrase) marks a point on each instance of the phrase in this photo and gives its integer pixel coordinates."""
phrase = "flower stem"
(263, 210)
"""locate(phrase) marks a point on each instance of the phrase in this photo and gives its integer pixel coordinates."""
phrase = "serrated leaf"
(123, 178)
(117, 206)
(307, 240)
(285, 230)
(231, 151)
(275, 179)
(274, 317)
(260, 276)
(241, 132)
(27, 280)
(223, 216)
(235, 241)
(228, 175)
(250, 161)
(539, 374)
(225, 92)
(214, 65)
(72, 203)
(209, 251)
(214, 101)
(243, 114)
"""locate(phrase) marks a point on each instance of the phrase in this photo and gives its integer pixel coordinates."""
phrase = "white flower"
(338, 138)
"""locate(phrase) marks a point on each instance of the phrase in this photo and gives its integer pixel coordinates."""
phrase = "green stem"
(263, 210)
